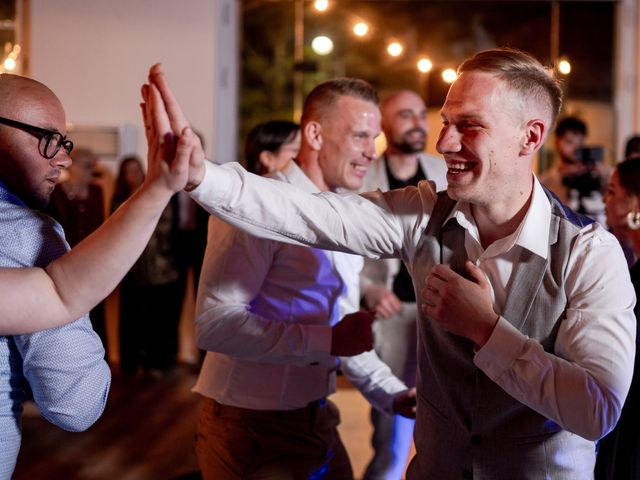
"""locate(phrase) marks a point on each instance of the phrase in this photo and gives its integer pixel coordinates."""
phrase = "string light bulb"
(360, 29)
(394, 49)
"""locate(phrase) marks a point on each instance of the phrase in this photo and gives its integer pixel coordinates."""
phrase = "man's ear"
(534, 133)
(313, 135)
(266, 159)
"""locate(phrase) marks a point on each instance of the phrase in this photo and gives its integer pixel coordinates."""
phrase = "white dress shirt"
(264, 314)
(581, 387)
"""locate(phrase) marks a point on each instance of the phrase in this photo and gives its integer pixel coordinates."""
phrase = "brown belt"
(298, 414)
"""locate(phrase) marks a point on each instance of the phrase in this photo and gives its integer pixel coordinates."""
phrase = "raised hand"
(164, 116)
(352, 335)
(462, 307)
(404, 403)
(168, 155)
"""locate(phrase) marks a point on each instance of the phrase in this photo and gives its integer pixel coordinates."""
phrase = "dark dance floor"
(146, 432)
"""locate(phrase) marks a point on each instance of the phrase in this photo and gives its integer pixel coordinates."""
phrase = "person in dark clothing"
(619, 452)
(150, 294)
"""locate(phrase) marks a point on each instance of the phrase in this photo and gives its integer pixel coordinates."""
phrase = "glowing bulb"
(564, 67)
(394, 49)
(322, 45)
(9, 64)
(321, 5)
(449, 75)
(425, 65)
(360, 29)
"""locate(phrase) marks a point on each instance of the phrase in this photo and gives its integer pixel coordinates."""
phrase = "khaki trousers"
(237, 443)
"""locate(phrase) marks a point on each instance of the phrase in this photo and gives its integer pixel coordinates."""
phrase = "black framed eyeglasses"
(50, 140)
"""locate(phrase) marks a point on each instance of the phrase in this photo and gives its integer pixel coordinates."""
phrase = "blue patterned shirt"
(65, 366)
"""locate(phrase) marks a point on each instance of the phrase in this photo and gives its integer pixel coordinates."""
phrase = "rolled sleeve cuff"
(503, 348)
(215, 185)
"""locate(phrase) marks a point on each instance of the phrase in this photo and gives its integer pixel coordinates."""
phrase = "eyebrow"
(467, 116)
(409, 110)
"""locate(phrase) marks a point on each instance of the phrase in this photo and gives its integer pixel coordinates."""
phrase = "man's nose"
(448, 140)
(61, 160)
(370, 151)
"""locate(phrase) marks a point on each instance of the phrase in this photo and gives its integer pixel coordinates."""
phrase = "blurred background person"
(578, 175)
(271, 145)
(632, 147)
(150, 294)
(619, 452)
(386, 284)
(78, 204)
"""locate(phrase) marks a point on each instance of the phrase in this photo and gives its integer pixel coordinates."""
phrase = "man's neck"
(500, 219)
(403, 166)
(309, 164)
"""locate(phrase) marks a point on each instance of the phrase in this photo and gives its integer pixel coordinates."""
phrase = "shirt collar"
(7, 196)
(293, 174)
(533, 231)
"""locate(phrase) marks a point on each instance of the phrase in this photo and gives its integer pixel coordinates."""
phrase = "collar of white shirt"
(293, 174)
(532, 233)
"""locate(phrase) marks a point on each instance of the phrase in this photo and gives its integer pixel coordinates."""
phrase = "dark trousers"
(149, 318)
(236, 443)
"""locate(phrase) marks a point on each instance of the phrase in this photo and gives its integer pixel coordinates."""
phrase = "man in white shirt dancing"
(526, 326)
(268, 315)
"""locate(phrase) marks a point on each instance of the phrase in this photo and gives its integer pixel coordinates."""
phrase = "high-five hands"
(352, 335)
(168, 155)
(462, 307)
(163, 117)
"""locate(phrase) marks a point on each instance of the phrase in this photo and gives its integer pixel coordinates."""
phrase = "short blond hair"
(522, 73)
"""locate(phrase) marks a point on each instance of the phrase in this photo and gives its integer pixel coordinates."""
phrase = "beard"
(410, 142)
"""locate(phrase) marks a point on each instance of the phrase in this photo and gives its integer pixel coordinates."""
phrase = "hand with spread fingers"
(462, 307)
(163, 116)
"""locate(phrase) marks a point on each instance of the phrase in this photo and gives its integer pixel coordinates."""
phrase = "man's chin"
(38, 202)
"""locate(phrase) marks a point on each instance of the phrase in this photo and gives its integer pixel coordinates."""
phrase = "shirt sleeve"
(368, 224)
(67, 373)
(65, 366)
(234, 269)
(374, 379)
(583, 384)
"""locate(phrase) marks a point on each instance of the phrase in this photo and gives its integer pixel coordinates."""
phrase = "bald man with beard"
(63, 367)
(386, 284)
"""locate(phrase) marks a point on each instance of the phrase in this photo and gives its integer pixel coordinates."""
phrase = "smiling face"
(481, 140)
(404, 122)
(25, 171)
(348, 132)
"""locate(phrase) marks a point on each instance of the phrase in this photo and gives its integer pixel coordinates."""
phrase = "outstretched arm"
(37, 299)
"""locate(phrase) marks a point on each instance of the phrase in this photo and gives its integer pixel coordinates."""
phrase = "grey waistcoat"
(467, 426)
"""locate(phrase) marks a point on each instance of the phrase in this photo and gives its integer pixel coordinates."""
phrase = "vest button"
(476, 439)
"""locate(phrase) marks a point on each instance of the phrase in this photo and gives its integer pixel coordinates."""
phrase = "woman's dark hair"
(632, 148)
(629, 175)
(121, 190)
(268, 136)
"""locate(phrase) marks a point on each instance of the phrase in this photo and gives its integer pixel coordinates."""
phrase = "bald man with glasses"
(63, 367)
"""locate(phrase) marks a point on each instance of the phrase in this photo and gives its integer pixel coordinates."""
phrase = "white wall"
(627, 72)
(95, 55)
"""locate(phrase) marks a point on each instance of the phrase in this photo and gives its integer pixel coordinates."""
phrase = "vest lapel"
(526, 281)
